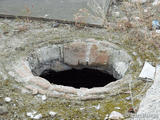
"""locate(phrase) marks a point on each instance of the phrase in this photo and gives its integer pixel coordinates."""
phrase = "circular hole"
(77, 78)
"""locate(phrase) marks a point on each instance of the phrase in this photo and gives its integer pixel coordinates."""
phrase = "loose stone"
(116, 116)
(52, 114)
(37, 117)
(7, 99)
(147, 72)
(44, 97)
(117, 108)
(75, 53)
(128, 98)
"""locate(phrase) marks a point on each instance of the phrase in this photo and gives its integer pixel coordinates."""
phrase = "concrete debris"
(7, 99)
(147, 72)
(116, 116)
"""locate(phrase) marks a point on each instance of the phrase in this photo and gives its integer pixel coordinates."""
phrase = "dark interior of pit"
(87, 78)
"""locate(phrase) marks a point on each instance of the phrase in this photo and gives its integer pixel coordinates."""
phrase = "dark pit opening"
(87, 78)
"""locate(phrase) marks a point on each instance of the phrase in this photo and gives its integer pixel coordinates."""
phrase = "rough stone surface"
(75, 53)
(82, 53)
(43, 57)
(97, 57)
(120, 69)
(49, 53)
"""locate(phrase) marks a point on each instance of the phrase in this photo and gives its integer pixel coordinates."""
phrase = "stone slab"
(149, 108)
(52, 9)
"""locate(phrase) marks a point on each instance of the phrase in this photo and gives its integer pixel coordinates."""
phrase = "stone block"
(97, 57)
(75, 53)
(48, 53)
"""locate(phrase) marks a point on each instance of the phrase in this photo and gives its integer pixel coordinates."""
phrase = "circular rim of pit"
(118, 59)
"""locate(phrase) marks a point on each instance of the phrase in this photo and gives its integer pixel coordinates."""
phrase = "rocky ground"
(129, 26)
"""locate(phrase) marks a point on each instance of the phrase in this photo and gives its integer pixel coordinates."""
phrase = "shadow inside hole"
(87, 78)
